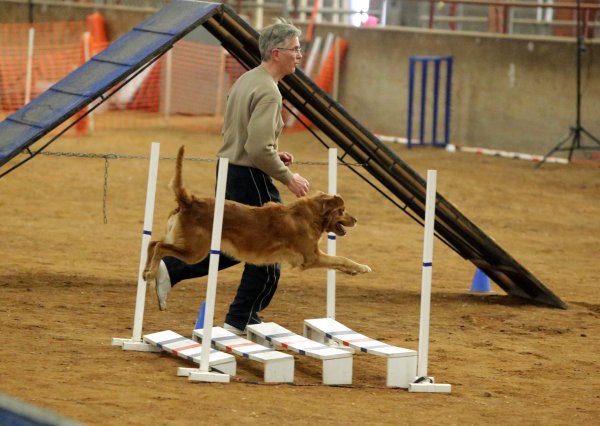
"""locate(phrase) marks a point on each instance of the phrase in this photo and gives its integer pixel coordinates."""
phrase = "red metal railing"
(498, 17)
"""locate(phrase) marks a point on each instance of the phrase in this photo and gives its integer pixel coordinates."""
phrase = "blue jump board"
(104, 71)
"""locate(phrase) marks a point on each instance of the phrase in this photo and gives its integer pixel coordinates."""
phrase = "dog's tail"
(182, 195)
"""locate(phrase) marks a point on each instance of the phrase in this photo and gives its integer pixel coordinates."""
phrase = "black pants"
(249, 186)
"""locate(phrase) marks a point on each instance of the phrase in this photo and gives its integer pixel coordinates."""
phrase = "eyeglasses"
(293, 49)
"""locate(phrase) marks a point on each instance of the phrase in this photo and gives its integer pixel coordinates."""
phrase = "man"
(251, 129)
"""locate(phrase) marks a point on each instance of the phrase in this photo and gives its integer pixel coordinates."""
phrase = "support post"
(331, 242)
(168, 84)
(87, 54)
(422, 382)
(204, 375)
(221, 83)
(29, 70)
(136, 343)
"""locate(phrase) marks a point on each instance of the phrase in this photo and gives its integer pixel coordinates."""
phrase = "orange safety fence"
(326, 75)
(92, 42)
(55, 54)
(200, 78)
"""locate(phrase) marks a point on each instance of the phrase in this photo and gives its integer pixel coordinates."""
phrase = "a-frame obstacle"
(154, 37)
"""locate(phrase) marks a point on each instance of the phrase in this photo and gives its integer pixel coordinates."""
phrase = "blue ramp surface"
(154, 37)
(122, 59)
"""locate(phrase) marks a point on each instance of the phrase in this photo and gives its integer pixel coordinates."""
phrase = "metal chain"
(105, 193)
(325, 163)
(108, 157)
(202, 159)
(117, 156)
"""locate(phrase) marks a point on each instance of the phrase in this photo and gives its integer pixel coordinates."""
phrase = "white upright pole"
(29, 71)
(331, 243)
(135, 343)
(335, 16)
(204, 375)
(168, 84)
(422, 382)
(383, 17)
(221, 84)
(303, 6)
(87, 54)
(336, 68)
(259, 14)
(426, 274)
(312, 56)
(326, 48)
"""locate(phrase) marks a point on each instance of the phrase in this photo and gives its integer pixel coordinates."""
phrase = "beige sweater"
(253, 123)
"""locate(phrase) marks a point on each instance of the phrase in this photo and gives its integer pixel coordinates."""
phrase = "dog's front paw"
(357, 269)
(364, 269)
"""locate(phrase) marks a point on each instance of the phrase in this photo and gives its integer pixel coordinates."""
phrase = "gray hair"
(275, 35)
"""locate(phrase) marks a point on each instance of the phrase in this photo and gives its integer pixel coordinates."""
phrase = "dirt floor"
(68, 284)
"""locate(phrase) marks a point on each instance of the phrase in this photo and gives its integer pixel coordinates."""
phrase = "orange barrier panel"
(325, 78)
(55, 54)
(147, 98)
(96, 26)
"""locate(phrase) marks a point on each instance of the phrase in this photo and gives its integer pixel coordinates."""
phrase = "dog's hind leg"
(156, 251)
(151, 266)
(159, 249)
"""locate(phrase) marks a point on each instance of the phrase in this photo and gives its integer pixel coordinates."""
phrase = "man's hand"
(286, 157)
(298, 185)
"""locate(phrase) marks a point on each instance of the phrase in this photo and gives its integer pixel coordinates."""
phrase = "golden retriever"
(273, 233)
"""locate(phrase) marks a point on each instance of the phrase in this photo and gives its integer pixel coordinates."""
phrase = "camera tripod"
(574, 139)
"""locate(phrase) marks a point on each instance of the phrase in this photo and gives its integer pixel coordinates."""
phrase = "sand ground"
(68, 283)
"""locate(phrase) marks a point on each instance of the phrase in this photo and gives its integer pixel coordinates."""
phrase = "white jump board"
(188, 349)
(279, 366)
(401, 362)
(343, 335)
(337, 363)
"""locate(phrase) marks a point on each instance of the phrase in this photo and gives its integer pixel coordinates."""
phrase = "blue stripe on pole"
(427, 264)
(147, 232)
(331, 236)
(215, 252)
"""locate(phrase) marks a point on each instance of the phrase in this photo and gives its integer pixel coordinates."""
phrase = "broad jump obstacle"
(278, 366)
(325, 339)
(337, 363)
(175, 344)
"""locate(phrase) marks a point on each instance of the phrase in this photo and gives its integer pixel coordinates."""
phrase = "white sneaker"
(234, 330)
(162, 285)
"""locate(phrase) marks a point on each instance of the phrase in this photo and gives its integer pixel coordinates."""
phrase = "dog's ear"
(331, 202)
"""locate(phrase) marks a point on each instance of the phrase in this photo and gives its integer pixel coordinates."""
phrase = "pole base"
(132, 345)
(208, 376)
(427, 385)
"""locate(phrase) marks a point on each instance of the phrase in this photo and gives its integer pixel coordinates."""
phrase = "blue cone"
(481, 282)
(200, 319)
